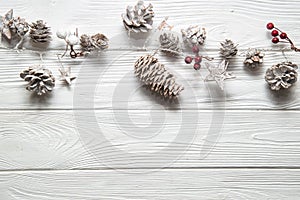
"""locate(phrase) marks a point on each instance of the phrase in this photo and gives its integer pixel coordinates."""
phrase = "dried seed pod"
(194, 35)
(228, 49)
(40, 80)
(138, 18)
(39, 32)
(282, 75)
(153, 74)
(170, 43)
(90, 43)
(254, 58)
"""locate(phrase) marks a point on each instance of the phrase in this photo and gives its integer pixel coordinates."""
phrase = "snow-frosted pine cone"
(19, 26)
(170, 43)
(282, 75)
(228, 49)
(254, 58)
(153, 74)
(39, 32)
(39, 80)
(98, 41)
(138, 18)
(194, 35)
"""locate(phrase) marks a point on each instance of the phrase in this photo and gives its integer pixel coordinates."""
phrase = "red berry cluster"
(197, 58)
(277, 32)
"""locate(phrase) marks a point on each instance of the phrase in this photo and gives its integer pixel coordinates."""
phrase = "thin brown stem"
(293, 47)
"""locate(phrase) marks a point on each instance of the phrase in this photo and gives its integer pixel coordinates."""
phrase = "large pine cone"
(228, 49)
(138, 18)
(40, 32)
(282, 75)
(39, 80)
(153, 74)
(98, 41)
(170, 43)
(194, 35)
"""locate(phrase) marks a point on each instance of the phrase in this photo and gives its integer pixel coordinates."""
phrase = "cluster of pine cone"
(11, 26)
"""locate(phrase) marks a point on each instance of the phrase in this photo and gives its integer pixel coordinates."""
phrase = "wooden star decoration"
(66, 76)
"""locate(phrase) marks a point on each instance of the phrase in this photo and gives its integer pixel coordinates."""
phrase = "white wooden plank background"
(45, 153)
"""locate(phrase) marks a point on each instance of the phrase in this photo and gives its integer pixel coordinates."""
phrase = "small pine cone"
(98, 41)
(254, 58)
(170, 43)
(153, 74)
(282, 75)
(228, 49)
(39, 80)
(138, 18)
(19, 26)
(40, 33)
(194, 35)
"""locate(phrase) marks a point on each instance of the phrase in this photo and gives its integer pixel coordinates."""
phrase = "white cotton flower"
(62, 34)
(72, 40)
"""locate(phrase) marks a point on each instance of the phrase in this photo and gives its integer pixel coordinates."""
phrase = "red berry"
(275, 40)
(188, 60)
(275, 33)
(283, 35)
(197, 66)
(270, 26)
(195, 49)
(198, 59)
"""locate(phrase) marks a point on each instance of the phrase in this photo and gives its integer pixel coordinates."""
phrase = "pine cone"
(19, 26)
(194, 35)
(254, 58)
(153, 74)
(98, 41)
(39, 80)
(228, 49)
(170, 43)
(282, 75)
(138, 18)
(40, 33)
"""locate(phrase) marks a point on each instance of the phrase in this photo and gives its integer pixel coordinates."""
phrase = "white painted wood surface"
(243, 143)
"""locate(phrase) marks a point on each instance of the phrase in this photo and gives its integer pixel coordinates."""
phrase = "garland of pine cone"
(153, 74)
(40, 80)
(138, 18)
(282, 75)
